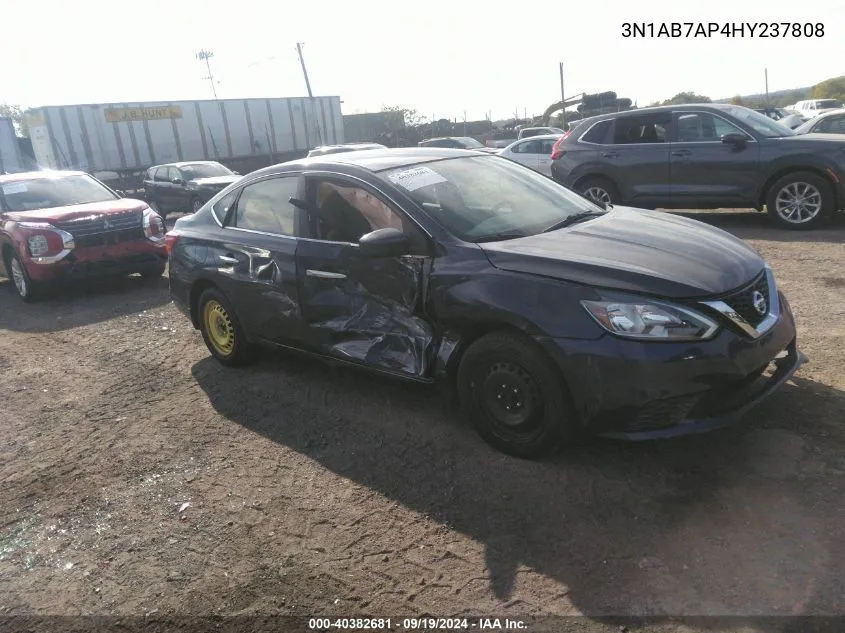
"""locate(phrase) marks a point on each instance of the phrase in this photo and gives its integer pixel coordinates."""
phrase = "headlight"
(38, 245)
(153, 225)
(651, 320)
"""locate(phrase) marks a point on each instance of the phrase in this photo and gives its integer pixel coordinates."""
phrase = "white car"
(814, 107)
(534, 152)
(530, 132)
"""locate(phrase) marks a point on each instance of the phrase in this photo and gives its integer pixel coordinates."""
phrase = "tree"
(15, 112)
(829, 89)
(401, 117)
(687, 97)
(737, 100)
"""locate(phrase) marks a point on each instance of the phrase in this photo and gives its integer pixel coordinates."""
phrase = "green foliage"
(830, 89)
(398, 118)
(687, 97)
(737, 100)
(15, 112)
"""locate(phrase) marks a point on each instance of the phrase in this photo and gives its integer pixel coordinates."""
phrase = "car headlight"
(651, 320)
(38, 245)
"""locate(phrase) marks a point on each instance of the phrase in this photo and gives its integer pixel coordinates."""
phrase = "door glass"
(703, 127)
(648, 129)
(344, 213)
(161, 174)
(547, 147)
(221, 207)
(264, 206)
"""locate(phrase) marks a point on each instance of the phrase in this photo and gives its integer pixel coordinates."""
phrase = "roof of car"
(187, 162)
(32, 175)
(373, 159)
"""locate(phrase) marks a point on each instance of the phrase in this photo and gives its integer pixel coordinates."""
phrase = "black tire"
(506, 367)
(20, 283)
(590, 187)
(156, 206)
(153, 272)
(816, 193)
(196, 205)
(241, 351)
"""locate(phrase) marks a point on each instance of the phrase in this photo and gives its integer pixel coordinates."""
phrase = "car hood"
(216, 181)
(814, 137)
(76, 211)
(637, 251)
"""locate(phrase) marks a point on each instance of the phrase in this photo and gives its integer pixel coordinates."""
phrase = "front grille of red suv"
(101, 230)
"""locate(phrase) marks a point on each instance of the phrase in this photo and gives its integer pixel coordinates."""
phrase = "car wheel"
(27, 289)
(514, 396)
(600, 191)
(196, 205)
(221, 329)
(801, 200)
(153, 272)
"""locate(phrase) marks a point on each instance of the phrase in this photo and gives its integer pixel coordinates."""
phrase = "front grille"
(101, 230)
(661, 414)
(742, 302)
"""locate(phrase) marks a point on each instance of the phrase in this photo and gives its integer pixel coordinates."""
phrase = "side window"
(519, 148)
(547, 146)
(175, 172)
(703, 127)
(598, 133)
(161, 174)
(264, 206)
(835, 125)
(221, 207)
(531, 147)
(646, 129)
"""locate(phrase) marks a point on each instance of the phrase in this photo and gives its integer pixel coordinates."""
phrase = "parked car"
(345, 147)
(534, 152)
(457, 142)
(528, 132)
(814, 107)
(59, 225)
(184, 186)
(545, 314)
(786, 117)
(705, 156)
(832, 122)
(499, 143)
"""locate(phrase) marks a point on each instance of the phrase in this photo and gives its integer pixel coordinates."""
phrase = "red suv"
(65, 224)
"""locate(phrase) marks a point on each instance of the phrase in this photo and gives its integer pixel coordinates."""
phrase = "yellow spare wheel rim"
(219, 328)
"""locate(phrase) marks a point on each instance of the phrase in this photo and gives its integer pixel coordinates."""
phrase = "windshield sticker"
(14, 187)
(415, 178)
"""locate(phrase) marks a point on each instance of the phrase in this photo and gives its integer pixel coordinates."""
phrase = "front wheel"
(153, 272)
(514, 396)
(221, 330)
(801, 200)
(196, 205)
(600, 191)
(27, 289)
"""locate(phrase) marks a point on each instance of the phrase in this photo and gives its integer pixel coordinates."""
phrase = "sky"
(442, 59)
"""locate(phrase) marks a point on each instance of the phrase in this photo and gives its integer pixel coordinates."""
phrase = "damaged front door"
(356, 305)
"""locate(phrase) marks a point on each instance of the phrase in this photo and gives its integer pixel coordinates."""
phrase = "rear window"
(598, 133)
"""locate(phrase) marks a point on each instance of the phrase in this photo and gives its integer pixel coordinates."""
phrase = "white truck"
(115, 140)
(11, 158)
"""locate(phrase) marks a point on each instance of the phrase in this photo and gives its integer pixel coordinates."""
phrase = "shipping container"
(11, 159)
(130, 137)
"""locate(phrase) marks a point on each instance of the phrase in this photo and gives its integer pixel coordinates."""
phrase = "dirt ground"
(138, 476)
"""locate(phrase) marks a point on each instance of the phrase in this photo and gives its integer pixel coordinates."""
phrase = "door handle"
(228, 259)
(682, 152)
(324, 274)
(610, 154)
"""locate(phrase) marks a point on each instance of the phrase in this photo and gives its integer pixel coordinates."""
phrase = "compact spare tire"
(801, 200)
(514, 395)
(221, 330)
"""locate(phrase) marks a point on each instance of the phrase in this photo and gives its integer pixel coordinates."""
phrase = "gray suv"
(704, 156)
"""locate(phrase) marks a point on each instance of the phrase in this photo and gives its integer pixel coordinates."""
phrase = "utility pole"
(563, 100)
(299, 46)
(766, 70)
(465, 122)
(205, 55)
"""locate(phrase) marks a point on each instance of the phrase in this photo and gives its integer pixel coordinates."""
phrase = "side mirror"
(384, 243)
(178, 181)
(737, 140)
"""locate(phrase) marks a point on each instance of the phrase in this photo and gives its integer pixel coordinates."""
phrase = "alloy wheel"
(798, 202)
(598, 194)
(19, 278)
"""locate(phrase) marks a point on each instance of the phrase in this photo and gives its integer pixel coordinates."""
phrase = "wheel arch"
(197, 288)
(785, 171)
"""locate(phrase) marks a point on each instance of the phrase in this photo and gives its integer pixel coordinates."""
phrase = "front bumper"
(647, 390)
(130, 257)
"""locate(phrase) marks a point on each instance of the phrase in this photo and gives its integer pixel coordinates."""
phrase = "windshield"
(481, 198)
(828, 103)
(760, 123)
(469, 143)
(47, 192)
(205, 170)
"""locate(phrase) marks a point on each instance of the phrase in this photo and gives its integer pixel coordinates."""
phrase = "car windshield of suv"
(760, 123)
(48, 192)
(205, 170)
(487, 198)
